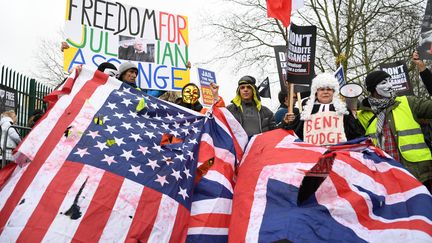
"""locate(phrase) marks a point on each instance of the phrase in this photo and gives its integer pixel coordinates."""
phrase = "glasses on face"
(325, 89)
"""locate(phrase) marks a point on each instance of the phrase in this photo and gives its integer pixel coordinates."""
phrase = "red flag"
(281, 9)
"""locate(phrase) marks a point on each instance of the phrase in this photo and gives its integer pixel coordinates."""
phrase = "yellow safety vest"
(410, 139)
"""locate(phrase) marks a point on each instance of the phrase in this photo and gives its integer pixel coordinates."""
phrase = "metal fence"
(30, 93)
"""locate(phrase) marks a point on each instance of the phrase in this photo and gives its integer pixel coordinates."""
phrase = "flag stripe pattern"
(99, 171)
(67, 113)
(224, 140)
(366, 197)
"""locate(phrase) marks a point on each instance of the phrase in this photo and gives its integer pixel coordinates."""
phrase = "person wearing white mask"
(392, 122)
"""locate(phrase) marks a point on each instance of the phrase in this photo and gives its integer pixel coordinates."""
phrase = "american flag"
(366, 197)
(108, 163)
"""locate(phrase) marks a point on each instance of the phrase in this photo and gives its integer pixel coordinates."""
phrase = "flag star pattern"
(130, 156)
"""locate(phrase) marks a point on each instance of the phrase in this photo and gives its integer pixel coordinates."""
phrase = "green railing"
(29, 92)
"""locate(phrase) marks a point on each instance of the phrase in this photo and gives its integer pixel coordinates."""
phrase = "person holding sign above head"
(392, 122)
(191, 94)
(425, 73)
(325, 119)
(128, 72)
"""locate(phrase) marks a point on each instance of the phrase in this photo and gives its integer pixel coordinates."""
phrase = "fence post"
(32, 96)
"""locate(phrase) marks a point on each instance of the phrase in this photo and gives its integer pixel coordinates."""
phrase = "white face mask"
(385, 88)
(111, 72)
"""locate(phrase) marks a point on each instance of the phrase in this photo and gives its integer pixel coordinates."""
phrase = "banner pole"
(291, 98)
(299, 102)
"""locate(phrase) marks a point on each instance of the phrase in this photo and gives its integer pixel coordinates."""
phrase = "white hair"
(324, 80)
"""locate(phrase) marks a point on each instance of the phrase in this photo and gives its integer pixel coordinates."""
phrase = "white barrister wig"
(324, 80)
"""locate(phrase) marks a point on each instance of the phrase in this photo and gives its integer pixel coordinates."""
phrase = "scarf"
(379, 107)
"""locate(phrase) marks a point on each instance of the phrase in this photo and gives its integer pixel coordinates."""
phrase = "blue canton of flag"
(128, 143)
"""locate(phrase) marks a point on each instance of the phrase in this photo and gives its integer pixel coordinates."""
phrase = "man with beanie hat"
(392, 122)
(128, 72)
(247, 109)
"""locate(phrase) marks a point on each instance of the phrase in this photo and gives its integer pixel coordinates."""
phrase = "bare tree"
(50, 59)
(357, 34)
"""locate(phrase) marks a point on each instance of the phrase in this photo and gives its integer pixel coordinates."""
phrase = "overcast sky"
(24, 23)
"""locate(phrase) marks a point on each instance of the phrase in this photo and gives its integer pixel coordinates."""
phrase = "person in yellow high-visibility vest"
(392, 123)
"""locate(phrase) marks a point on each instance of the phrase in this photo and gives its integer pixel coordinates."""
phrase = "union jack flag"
(365, 197)
(222, 144)
(108, 163)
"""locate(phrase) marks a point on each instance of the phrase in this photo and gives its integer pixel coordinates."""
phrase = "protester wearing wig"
(324, 98)
(313, 105)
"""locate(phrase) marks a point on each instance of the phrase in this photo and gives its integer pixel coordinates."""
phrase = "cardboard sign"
(324, 128)
(425, 40)
(206, 77)
(399, 77)
(8, 99)
(281, 64)
(109, 31)
(301, 54)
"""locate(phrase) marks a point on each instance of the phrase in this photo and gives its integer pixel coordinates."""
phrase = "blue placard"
(206, 77)
(340, 76)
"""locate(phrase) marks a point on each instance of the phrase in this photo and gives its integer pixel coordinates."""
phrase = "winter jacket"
(13, 139)
(280, 113)
(421, 108)
(426, 77)
(265, 117)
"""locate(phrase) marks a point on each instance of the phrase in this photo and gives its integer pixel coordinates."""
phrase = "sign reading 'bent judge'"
(324, 128)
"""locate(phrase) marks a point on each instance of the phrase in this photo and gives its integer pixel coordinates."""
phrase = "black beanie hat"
(106, 65)
(247, 80)
(374, 78)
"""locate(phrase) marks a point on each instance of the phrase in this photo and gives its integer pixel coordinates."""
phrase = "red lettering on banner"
(308, 125)
(336, 119)
(339, 138)
(327, 121)
(174, 27)
(181, 25)
(330, 139)
(317, 123)
(322, 138)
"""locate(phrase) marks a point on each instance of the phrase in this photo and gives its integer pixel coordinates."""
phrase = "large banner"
(100, 31)
(281, 63)
(425, 41)
(399, 77)
(206, 77)
(8, 99)
(301, 54)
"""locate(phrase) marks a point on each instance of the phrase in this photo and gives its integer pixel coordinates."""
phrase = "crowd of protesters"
(396, 124)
